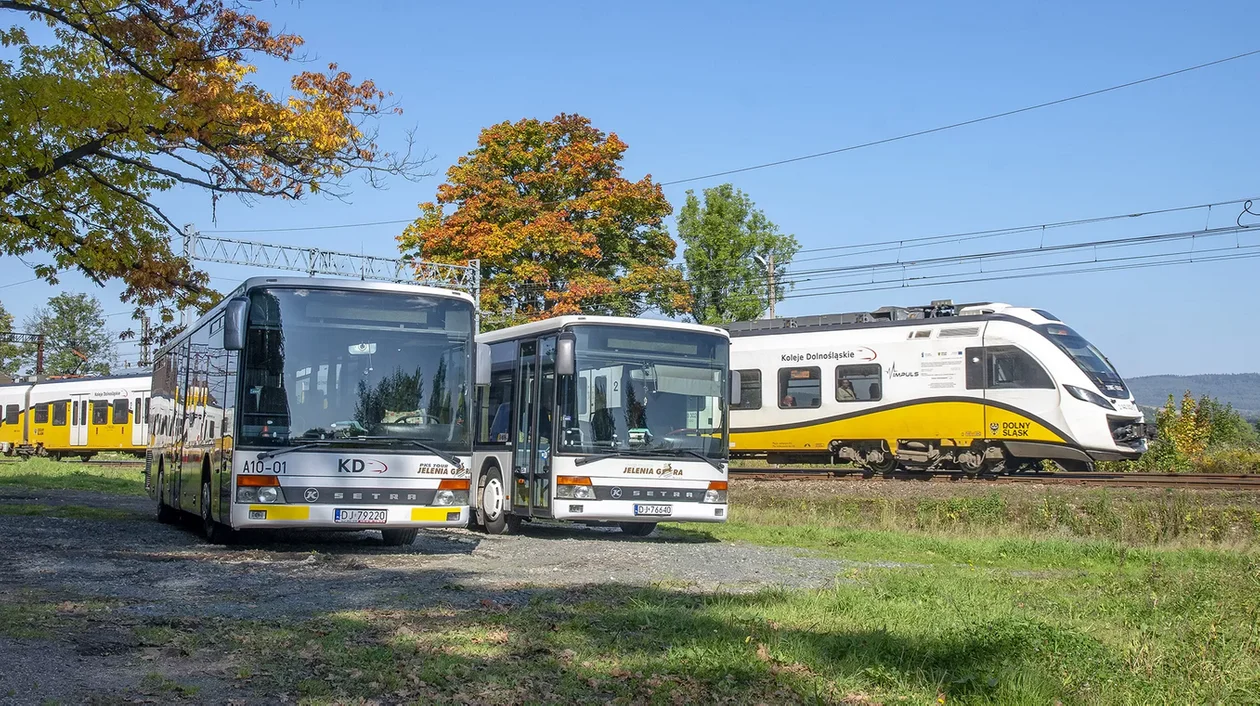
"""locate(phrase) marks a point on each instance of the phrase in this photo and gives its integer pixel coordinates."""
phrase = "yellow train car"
(75, 417)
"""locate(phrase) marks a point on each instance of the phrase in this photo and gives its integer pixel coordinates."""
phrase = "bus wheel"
(165, 513)
(215, 532)
(492, 501)
(399, 537)
(637, 529)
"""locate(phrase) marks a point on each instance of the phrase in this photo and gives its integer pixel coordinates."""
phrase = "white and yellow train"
(75, 417)
(977, 388)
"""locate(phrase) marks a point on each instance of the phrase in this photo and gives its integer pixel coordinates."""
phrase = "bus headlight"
(258, 489)
(452, 491)
(246, 495)
(716, 492)
(574, 488)
(1084, 395)
(268, 495)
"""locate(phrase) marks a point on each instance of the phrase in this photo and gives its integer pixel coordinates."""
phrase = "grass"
(46, 474)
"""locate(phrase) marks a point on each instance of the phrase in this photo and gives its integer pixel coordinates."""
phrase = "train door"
(531, 455)
(1018, 389)
(79, 419)
(139, 420)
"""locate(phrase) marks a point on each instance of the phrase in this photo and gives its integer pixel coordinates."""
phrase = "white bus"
(601, 420)
(317, 403)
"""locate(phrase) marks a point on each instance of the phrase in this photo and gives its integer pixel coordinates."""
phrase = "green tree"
(10, 353)
(1226, 427)
(556, 227)
(725, 236)
(107, 103)
(72, 322)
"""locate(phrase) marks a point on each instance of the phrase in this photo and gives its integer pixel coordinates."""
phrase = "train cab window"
(59, 413)
(859, 383)
(749, 390)
(11, 415)
(800, 387)
(120, 411)
(100, 412)
(1005, 368)
(40, 412)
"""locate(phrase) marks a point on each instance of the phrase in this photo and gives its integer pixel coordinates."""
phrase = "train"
(982, 388)
(80, 417)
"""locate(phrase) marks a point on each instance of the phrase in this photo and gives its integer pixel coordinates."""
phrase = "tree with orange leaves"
(108, 102)
(556, 227)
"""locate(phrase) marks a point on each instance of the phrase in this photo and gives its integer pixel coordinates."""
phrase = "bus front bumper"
(262, 515)
(624, 511)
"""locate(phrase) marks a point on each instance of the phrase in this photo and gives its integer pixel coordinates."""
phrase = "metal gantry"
(317, 261)
(37, 339)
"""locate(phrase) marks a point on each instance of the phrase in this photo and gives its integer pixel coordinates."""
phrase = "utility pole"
(770, 271)
(144, 339)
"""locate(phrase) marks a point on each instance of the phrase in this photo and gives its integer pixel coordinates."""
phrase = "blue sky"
(707, 86)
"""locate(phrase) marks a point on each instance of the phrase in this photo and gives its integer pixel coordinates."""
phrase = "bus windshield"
(644, 389)
(1088, 358)
(328, 364)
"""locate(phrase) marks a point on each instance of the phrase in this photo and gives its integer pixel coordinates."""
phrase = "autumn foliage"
(556, 227)
(123, 100)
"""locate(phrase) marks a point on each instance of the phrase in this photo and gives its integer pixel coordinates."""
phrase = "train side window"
(749, 390)
(1008, 367)
(59, 413)
(800, 387)
(859, 383)
(11, 415)
(40, 413)
(100, 412)
(120, 410)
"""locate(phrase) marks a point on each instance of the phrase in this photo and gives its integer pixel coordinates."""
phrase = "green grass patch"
(76, 512)
(46, 474)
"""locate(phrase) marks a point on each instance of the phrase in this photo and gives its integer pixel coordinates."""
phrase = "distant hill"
(1241, 390)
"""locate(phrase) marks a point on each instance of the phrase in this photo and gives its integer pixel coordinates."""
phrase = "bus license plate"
(653, 510)
(360, 517)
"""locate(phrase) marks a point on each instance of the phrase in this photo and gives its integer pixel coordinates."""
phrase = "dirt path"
(80, 591)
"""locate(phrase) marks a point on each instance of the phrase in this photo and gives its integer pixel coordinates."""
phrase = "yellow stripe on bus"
(431, 514)
(284, 512)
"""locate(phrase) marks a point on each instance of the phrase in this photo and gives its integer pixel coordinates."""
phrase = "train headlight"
(1084, 395)
(716, 492)
(574, 488)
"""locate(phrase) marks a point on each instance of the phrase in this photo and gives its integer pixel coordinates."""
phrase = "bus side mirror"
(234, 321)
(481, 374)
(736, 388)
(566, 363)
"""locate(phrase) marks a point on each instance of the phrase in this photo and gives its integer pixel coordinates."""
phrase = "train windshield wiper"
(315, 443)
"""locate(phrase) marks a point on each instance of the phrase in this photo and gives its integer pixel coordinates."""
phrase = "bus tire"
(399, 537)
(215, 533)
(165, 513)
(492, 505)
(637, 529)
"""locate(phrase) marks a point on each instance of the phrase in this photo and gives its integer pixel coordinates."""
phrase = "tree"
(556, 227)
(724, 238)
(10, 353)
(128, 99)
(72, 322)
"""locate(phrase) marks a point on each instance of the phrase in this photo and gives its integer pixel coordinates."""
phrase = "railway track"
(1135, 480)
(138, 462)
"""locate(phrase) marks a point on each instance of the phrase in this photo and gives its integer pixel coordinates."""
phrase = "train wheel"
(880, 461)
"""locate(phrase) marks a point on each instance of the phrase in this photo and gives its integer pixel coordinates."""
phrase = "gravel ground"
(151, 574)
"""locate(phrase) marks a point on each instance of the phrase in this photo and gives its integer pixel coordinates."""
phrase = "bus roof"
(316, 283)
(538, 328)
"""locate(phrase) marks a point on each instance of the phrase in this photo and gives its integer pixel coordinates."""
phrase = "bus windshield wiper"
(314, 443)
(646, 452)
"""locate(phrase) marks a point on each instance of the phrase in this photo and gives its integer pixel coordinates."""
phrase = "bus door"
(79, 419)
(535, 402)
